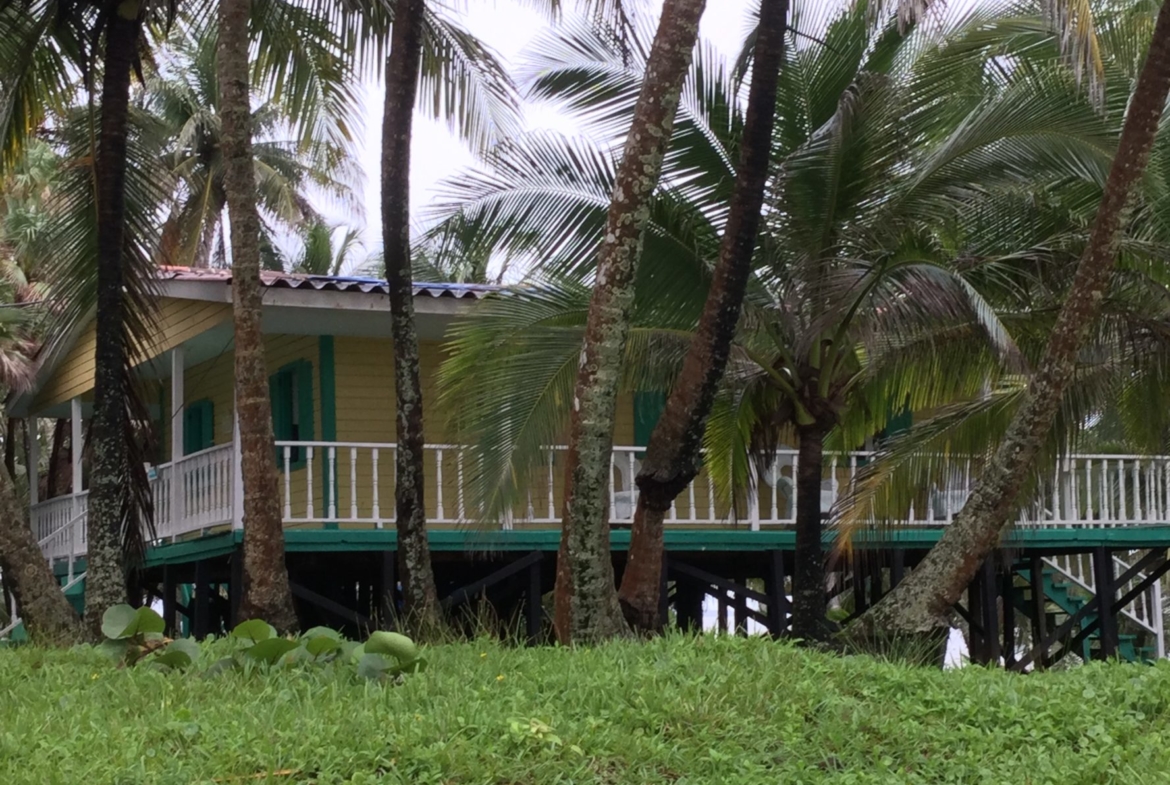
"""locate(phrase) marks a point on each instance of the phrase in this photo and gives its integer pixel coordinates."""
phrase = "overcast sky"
(507, 26)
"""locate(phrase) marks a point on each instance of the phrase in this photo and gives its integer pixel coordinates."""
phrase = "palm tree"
(289, 162)
(870, 182)
(266, 592)
(672, 454)
(920, 603)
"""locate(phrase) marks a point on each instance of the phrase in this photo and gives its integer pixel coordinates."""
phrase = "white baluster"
(376, 509)
(309, 483)
(552, 504)
(693, 515)
(710, 497)
(353, 506)
(439, 483)
(287, 484)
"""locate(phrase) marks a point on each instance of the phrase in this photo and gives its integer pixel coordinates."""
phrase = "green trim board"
(327, 381)
(683, 540)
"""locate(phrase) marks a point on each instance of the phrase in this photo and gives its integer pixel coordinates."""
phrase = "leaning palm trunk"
(266, 593)
(587, 606)
(672, 456)
(922, 601)
(47, 615)
(109, 509)
(420, 597)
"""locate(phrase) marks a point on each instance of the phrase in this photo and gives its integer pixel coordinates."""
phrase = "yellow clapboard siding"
(178, 321)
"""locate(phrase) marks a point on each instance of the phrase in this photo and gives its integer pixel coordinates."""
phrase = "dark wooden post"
(860, 600)
(989, 601)
(740, 604)
(1106, 595)
(388, 584)
(897, 567)
(235, 587)
(976, 645)
(168, 598)
(777, 599)
(664, 591)
(1009, 620)
(533, 608)
(201, 624)
(1039, 610)
(688, 605)
(722, 621)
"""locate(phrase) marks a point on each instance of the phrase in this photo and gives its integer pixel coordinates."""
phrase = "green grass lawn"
(711, 710)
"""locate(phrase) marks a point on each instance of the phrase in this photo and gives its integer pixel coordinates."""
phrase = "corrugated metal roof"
(332, 283)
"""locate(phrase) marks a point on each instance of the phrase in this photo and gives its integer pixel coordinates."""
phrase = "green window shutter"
(648, 408)
(304, 389)
(291, 393)
(198, 426)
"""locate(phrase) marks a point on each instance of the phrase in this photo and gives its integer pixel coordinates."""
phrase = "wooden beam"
(201, 624)
(471, 590)
(1039, 606)
(168, 600)
(334, 607)
(778, 610)
(990, 605)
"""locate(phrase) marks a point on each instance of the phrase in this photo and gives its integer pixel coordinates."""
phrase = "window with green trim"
(291, 391)
(198, 426)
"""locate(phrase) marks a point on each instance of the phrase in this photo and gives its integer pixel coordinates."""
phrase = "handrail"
(44, 540)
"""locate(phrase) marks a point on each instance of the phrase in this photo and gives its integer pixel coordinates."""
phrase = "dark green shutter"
(304, 372)
(198, 427)
(648, 408)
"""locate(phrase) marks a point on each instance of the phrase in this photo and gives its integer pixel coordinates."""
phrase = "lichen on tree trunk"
(266, 593)
(109, 507)
(47, 615)
(420, 597)
(673, 453)
(587, 606)
(922, 602)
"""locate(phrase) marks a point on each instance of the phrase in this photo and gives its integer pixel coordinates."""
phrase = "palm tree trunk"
(266, 593)
(10, 447)
(47, 615)
(587, 606)
(420, 597)
(105, 579)
(808, 578)
(922, 601)
(672, 456)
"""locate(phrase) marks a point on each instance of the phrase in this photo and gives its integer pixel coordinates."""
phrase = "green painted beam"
(677, 539)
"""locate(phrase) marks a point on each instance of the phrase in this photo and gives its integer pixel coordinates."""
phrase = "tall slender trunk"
(105, 579)
(420, 597)
(672, 456)
(10, 447)
(922, 601)
(266, 592)
(808, 578)
(47, 615)
(587, 606)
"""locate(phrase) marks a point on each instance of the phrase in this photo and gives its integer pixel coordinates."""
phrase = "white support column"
(178, 399)
(34, 461)
(76, 439)
(237, 472)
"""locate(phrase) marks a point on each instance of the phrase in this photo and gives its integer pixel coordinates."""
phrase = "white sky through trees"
(507, 26)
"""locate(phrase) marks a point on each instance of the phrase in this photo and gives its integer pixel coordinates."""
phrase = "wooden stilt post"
(740, 604)
(860, 601)
(168, 590)
(1039, 609)
(976, 645)
(388, 585)
(236, 586)
(1009, 620)
(989, 601)
(777, 599)
(1107, 592)
(897, 568)
(722, 621)
(533, 608)
(664, 592)
(201, 625)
